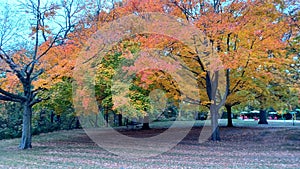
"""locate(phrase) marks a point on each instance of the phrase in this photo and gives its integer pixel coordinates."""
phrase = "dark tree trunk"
(120, 119)
(229, 116)
(77, 125)
(262, 117)
(146, 123)
(26, 130)
(52, 117)
(214, 124)
(106, 117)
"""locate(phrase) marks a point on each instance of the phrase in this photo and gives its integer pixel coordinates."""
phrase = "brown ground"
(241, 147)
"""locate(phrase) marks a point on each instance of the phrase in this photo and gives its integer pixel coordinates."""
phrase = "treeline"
(43, 121)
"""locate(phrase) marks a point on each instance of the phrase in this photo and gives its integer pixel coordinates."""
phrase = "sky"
(19, 23)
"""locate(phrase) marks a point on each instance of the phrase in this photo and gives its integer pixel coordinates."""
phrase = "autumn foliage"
(253, 42)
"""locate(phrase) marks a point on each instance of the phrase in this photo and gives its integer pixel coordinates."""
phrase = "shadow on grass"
(241, 147)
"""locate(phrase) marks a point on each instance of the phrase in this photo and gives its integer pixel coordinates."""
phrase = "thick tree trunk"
(146, 123)
(214, 124)
(262, 117)
(26, 131)
(229, 114)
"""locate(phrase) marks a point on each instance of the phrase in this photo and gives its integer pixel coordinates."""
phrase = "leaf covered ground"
(241, 147)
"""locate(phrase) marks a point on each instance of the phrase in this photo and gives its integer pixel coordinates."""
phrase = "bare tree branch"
(6, 98)
(35, 101)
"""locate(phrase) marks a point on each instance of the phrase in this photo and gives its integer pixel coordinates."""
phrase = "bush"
(10, 120)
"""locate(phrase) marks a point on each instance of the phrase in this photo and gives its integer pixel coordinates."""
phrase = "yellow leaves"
(205, 103)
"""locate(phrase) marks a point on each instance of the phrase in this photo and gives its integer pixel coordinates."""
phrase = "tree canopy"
(252, 46)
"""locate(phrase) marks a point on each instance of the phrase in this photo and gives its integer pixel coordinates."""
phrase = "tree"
(111, 81)
(246, 35)
(60, 105)
(23, 65)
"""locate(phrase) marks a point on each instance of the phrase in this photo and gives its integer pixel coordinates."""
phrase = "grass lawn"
(244, 146)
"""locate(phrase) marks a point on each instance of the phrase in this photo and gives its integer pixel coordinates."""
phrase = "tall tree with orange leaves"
(248, 37)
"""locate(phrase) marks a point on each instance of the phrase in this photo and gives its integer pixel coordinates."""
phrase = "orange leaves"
(127, 54)
(245, 34)
(225, 22)
(145, 5)
(45, 29)
(148, 60)
(140, 6)
(57, 63)
(152, 40)
(248, 38)
(52, 11)
(11, 83)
